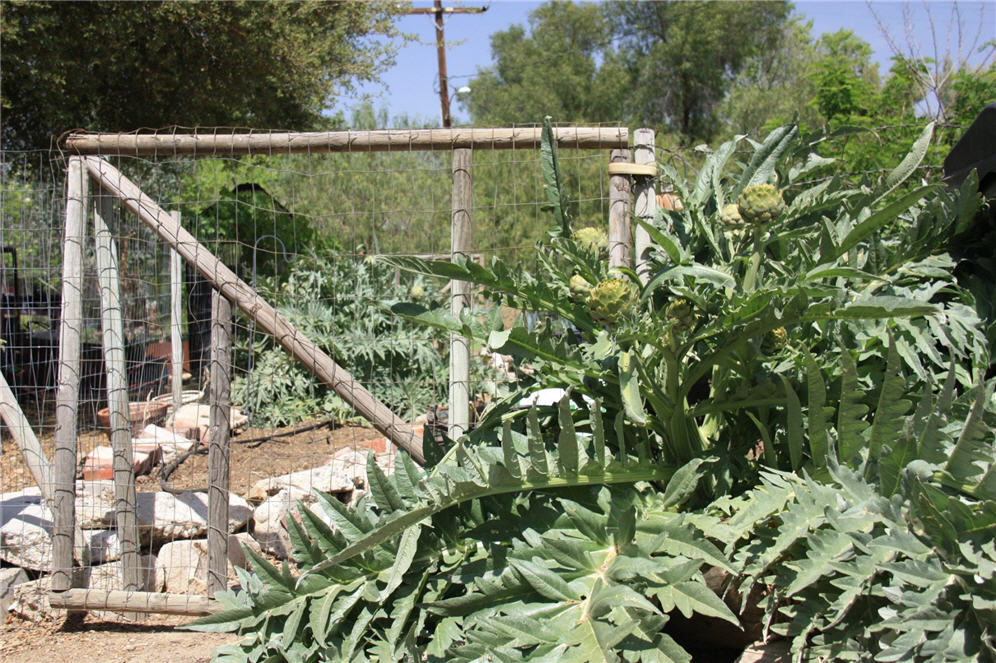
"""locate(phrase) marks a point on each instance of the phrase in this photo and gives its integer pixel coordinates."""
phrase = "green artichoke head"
(593, 239)
(681, 314)
(611, 298)
(730, 215)
(760, 204)
(774, 340)
(580, 288)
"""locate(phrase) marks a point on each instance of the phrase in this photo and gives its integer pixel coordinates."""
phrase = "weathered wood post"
(176, 322)
(460, 244)
(220, 400)
(67, 394)
(620, 233)
(645, 206)
(112, 325)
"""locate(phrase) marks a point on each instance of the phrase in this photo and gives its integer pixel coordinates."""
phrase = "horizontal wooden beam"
(125, 601)
(391, 140)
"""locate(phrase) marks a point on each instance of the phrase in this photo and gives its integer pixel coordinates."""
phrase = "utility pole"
(438, 11)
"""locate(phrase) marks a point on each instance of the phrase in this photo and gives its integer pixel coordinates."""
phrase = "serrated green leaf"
(691, 598)
(381, 488)
(567, 447)
(407, 547)
(793, 426)
(543, 580)
(683, 484)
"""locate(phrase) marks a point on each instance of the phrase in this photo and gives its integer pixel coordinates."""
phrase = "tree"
(113, 66)
(685, 55)
(846, 80)
(563, 67)
(774, 86)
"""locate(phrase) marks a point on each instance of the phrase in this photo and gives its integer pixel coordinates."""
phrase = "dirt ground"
(252, 458)
(155, 639)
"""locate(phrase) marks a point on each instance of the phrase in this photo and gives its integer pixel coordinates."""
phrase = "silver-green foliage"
(851, 260)
(342, 303)
(531, 550)
(890, 556)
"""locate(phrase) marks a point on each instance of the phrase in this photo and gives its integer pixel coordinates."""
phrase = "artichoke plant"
(730, 215)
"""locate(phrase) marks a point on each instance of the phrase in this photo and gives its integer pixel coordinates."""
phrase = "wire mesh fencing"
(304, 232)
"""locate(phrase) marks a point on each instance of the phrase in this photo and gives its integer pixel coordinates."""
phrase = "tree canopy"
(697, 71)
(685, 55)
(563, 67)
(663, 64)
(119, 66)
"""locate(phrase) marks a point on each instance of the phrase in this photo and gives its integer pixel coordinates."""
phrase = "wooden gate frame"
(82, 169)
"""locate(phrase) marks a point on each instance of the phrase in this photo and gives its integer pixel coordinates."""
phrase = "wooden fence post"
(67, 394)
(460, 245)
(646, 199)
(175, 322)
(112, 326)
(620, 234)
(220, 400)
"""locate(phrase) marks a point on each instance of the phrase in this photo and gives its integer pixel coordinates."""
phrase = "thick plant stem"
(755, 261)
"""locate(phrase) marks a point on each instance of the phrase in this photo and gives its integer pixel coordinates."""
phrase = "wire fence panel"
(303, 230)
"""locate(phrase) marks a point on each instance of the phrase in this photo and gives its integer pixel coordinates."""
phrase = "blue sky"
(410, 87)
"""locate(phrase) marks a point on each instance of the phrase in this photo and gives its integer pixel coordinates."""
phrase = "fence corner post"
(67, 394)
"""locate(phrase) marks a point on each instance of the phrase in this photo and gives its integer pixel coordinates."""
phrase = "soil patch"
(153, 640)
(260, 453)
(269, 452)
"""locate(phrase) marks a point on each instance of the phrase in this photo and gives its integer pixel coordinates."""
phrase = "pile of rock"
(172, 529)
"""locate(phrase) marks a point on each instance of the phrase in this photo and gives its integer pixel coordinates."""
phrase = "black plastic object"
(976, 149)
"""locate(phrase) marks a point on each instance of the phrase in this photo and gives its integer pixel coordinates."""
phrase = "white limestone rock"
(12, 503)
(183, 564)
(109, 576)
(172, 444)
(326, 478)
(162, 516)
(26, 540)
(94, 501)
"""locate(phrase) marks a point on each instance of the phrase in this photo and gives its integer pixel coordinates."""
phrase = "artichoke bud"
(592, 239)
(579, 286)
(760, 204)
(774, 340)
(681, 314)
(609, 299)
(730, 215)
(417, 291)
